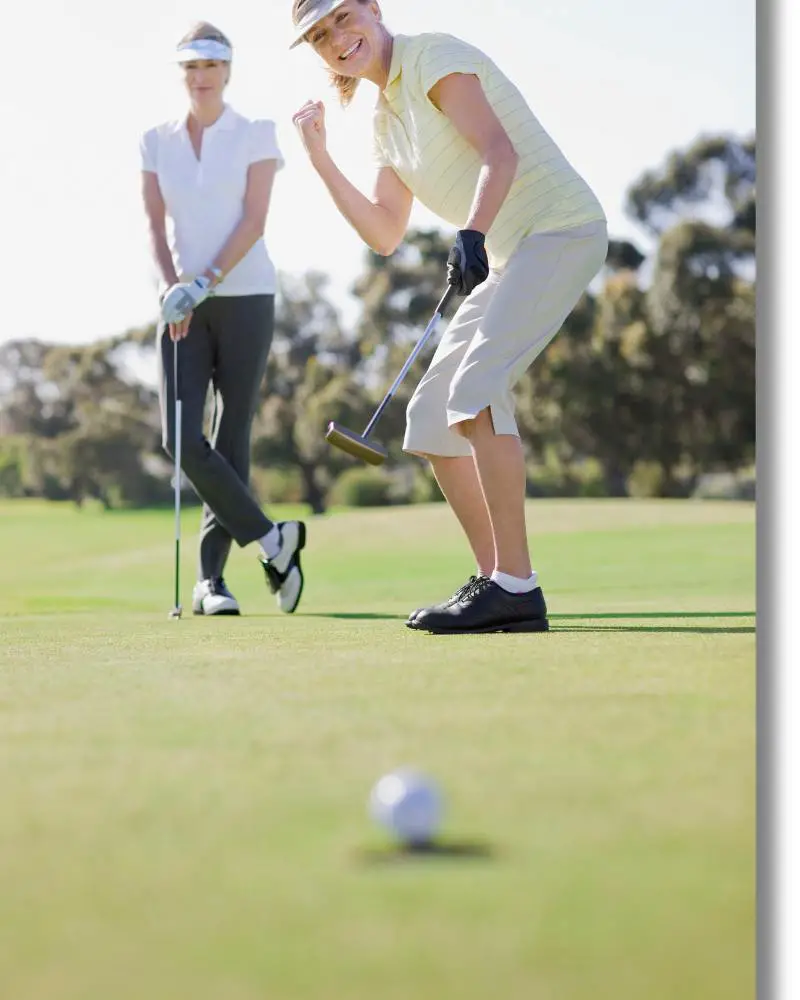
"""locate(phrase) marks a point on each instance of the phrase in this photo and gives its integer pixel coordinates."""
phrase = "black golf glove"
(467, 263)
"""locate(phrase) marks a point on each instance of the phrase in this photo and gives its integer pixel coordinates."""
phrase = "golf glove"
(467, 263)
(182, 299)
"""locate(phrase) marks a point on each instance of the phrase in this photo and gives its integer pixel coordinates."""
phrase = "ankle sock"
(271, 542)
(515, 584)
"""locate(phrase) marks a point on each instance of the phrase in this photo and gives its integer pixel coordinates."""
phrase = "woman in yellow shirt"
(452, 130)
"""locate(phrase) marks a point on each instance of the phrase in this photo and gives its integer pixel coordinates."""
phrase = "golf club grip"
(444, 302)
(423, 340)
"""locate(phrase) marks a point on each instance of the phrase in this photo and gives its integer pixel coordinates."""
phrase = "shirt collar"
(396, 66)
(225, 122)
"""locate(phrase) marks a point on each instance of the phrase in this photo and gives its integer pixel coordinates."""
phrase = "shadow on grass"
(441, 851)
(658, 615)
(617, 616)
(606, 616)
(355, 615)
(577, 616)
(688, 629)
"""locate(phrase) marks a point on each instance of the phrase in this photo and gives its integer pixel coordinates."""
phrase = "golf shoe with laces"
(212, 597)
(283, 572)
(444, 604)
(486, 607)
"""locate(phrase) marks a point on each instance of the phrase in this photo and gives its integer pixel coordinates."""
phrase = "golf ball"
(408, 805)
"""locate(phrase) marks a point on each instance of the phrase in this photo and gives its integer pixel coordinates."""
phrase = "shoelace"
(476, 586)
(464, 589)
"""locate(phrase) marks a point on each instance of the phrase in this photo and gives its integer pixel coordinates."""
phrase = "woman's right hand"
(310, 123)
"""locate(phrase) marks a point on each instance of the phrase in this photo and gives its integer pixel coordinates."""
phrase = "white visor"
(204, 48)
(316, 13)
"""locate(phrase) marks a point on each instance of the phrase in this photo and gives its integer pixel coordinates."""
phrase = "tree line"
(649, 385)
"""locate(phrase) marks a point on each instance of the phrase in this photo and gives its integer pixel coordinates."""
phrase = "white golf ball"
(408, 805)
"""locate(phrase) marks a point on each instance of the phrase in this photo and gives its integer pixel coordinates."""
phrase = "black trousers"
(227, 347)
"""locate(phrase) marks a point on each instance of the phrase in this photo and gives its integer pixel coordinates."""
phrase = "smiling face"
(351, 39)
(205, 81)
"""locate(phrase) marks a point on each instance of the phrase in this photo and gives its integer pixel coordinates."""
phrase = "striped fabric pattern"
(441, 168)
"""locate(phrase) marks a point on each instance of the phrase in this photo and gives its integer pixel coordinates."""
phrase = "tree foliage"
(655, 366)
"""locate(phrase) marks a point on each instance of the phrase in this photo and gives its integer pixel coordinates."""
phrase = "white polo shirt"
(204, 197)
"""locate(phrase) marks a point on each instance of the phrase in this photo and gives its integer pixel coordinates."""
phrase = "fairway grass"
(183, 804)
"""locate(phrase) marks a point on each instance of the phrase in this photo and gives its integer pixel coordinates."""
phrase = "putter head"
(356, 445)
(176, 612)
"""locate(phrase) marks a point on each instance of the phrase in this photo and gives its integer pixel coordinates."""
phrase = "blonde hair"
(205, 31)
(346, 86)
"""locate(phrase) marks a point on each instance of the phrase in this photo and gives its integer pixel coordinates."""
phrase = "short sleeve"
(264, 142)
(440, 55)
(148, 149)
(378, 159)
(378, 156)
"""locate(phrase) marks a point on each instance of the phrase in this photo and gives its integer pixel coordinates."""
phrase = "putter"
(358, 445)
(177, 610)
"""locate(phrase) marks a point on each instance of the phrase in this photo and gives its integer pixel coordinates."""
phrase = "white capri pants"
(497, 333)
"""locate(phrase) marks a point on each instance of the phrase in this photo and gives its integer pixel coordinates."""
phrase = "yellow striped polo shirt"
(441, 168)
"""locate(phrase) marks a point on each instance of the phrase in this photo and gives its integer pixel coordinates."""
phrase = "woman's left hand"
(181, 299)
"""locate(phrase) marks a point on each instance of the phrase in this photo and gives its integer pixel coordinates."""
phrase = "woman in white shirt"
(206, 182)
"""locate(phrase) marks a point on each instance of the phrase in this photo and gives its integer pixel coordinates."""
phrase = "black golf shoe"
(283, 572)
(444, 604)
(485, 607)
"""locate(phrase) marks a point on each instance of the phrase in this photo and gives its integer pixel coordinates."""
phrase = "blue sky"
(617, 84)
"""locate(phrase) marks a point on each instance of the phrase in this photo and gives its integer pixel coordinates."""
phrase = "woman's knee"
(470, 427)
(168, 441)
(194, 447)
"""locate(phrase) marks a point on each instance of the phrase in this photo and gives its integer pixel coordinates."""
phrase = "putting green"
(184, 803)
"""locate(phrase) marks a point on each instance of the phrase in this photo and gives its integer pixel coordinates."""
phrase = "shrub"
(362, 488)
(547, 481)
(726, 486)
(11, 469)
(589, 478)
(425, 489)
(277, 485)
(646, 480)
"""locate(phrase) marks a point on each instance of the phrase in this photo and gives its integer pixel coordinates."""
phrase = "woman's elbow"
(385, 248)
(386, 242)
(504, 154)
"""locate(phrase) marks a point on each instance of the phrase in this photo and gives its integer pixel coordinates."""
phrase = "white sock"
(271, 542)
(516, 584)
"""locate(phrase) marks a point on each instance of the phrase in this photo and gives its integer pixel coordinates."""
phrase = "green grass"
(182, 804)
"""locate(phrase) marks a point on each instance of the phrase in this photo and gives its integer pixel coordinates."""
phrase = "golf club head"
(176, 612)
(354, 444)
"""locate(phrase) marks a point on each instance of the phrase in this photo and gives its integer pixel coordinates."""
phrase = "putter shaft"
(357, 445)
